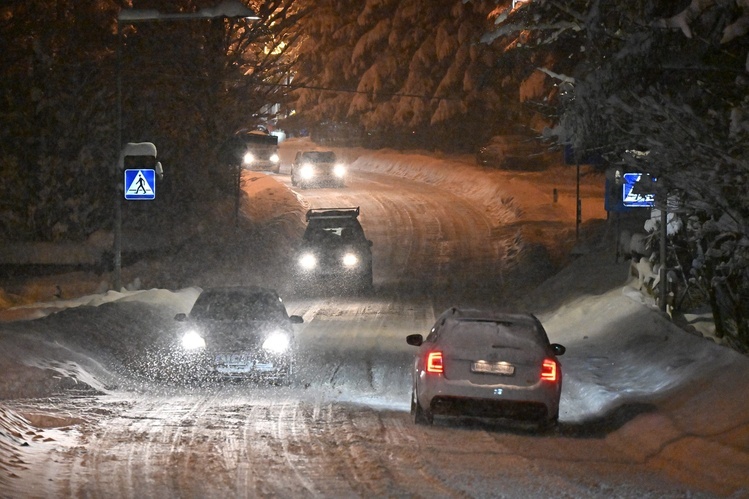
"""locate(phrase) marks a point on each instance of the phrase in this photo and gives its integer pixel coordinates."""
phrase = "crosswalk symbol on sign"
(140, 184)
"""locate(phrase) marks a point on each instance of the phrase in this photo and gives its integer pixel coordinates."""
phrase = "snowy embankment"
(632, 378)
(464, 179)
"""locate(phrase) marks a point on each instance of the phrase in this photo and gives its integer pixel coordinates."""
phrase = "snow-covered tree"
(186, 87)
(53, 140)
(670, 82)
(408, 67)
(189, 85)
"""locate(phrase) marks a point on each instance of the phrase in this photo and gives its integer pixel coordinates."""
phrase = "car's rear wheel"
(420, 415)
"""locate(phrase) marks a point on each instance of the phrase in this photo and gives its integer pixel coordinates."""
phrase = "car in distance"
(520, 152)
(319, 168)
(486, 364)
(334, 249)
(237, 332)
(261, 151)
(255, 150)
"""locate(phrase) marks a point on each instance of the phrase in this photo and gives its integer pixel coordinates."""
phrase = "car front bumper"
(263, 166)
(257, 365)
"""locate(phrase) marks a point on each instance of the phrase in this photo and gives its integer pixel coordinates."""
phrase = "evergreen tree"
(186, 87)
(413, 68)
(663, 91)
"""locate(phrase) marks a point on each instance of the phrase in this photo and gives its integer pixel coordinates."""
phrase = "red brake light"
(434, 363)
(549, 371)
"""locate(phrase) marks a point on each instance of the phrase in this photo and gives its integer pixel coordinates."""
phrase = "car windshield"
(319, 156)
(238, 306)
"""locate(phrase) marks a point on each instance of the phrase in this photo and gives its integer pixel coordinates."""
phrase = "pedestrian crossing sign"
(140, 184)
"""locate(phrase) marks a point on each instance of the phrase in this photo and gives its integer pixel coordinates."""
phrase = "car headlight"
(350, 260)
(308, 261)
(307, 171)
(248, 158)
(191, 340)
(274, 158)
(277, 342)
(339, 170)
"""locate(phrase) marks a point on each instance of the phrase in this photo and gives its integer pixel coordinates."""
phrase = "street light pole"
(227, 9)
(117, 173)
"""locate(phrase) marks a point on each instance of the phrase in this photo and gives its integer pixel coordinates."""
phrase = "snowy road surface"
(648, 410)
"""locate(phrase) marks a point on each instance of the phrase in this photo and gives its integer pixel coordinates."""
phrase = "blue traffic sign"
(632, 196)
(140, 185)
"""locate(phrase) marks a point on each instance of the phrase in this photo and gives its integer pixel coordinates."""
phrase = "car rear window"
(500, 334)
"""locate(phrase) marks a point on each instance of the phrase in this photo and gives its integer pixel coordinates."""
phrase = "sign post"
(139, 184)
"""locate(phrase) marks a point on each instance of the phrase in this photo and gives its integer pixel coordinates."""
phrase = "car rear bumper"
(539, 402)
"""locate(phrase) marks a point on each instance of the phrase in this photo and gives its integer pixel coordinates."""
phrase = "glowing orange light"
(434, 363)
(549, 370)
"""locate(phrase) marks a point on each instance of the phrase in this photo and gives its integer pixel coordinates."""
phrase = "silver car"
(315, 168)
(485, 364)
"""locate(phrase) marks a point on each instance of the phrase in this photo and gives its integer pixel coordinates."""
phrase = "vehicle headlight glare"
(308, 261)
(248, 158)
(339, 170)
(277, 343)
(350, 260)
(192, 341)
(274, 158)
(307, 171)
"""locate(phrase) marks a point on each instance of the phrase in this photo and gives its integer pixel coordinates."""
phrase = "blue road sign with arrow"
(632, 197)
(140, 185)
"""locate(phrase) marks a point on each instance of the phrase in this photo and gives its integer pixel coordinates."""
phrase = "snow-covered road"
(648, 410)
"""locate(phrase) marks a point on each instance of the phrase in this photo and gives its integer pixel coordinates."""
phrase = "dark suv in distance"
(334, 249)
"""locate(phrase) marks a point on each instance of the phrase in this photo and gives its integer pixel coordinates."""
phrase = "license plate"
(234, 363)
(234, 359)
(503, 368)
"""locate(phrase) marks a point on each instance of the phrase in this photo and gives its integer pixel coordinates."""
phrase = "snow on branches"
(737, 28)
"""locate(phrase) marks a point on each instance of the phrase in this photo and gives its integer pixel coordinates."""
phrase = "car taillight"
(434, 363)
(549, 370)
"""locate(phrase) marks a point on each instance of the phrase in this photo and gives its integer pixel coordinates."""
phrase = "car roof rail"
(332, 213)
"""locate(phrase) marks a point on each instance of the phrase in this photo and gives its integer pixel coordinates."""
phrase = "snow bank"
(463, 179)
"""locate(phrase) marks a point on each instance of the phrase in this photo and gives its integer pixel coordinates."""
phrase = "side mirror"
(295, 319)
(558, 349)
(415, 339)
(180, 317)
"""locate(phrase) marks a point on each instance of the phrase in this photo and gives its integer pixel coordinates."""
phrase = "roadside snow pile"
(463, 179)
(67, 349)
